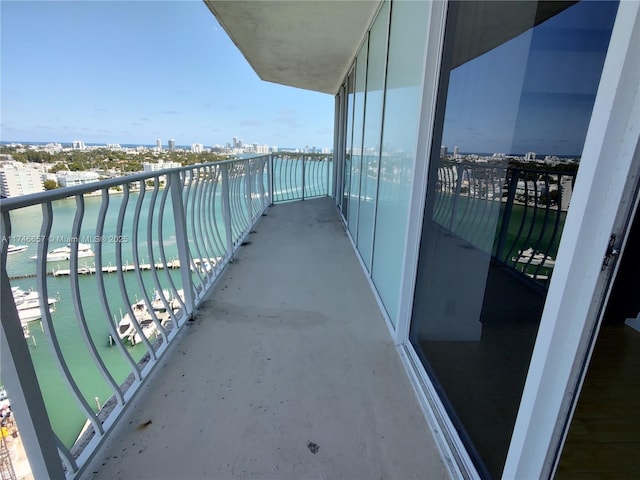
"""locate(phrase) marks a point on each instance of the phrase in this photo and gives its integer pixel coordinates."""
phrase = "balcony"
(256, 340)
(275, 361)
(287, 371)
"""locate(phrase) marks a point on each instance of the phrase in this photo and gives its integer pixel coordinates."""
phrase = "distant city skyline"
(131, 72)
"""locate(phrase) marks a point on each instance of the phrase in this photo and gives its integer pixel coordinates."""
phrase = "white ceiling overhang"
(311, 44)
(307, 44)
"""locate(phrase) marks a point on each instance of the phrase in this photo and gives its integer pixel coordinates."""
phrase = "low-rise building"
(70, 179)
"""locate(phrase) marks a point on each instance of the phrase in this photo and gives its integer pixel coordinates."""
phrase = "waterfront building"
(19, 179)
(77, 145)
(159, 145)
(197, 148)
(71, 179)
(159, 165)
(172, 144)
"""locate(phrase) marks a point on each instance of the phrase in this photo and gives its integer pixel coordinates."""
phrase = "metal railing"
(297, 177)
(514, 214)
(121, 266)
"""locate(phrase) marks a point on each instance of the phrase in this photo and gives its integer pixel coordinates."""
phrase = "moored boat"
(531, 257)
(64, 253)
(11, 249)
(28, 304)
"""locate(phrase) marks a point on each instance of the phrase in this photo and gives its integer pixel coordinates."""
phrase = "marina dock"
(203, 264)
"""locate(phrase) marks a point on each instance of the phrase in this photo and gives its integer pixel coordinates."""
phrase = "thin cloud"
(252, 123)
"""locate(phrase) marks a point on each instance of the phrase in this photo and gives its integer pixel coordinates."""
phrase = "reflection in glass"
(349, 138)
(400, 137)
(514, 109)
(360, 84)
(376, 64)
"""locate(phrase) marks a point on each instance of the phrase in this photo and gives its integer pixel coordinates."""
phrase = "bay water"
(64, 412)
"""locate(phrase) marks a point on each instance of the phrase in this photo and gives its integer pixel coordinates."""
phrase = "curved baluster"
(66, 456)
(77, 302)
(138, 274)
(152, 265)
(102, 293)
(47, 322)
(217, 206)
(163, 256)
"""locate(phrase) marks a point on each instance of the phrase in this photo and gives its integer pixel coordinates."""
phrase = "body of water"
(64, 412)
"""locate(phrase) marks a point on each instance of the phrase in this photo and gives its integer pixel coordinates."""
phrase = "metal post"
(21, 382)
(303, 182)
(247, 192)
(270, 179)
(506, 216)
(331, 187)
(456, 196)
(226, 209)
(182, 239)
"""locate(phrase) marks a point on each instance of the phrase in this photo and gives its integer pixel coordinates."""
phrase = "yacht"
(16, 249)
(126, 330)
(64, 253)
(28, 304)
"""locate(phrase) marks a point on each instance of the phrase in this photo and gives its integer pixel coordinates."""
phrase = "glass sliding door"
(518, 83)
(346, 181)
(360, 87)
(376, 66)
(405, 72)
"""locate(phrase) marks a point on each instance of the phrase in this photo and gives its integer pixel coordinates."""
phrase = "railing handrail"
(489, 200)
(30, 199)
(212, 207)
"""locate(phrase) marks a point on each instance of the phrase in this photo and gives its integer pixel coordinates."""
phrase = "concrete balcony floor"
(289, 353)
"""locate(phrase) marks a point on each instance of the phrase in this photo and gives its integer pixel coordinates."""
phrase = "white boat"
(64, 253)
(176, 303)
(531, 257)
(28, 304)
(16, 249)
(125, 325)
(149, 329)
(142, 315)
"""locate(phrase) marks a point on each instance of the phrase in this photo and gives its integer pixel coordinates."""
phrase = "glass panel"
(349, 139)
(401, 112)
(514, 107)
(372, 132)
(356, 150)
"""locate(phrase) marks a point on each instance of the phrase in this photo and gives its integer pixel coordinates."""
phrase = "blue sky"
(134, 71)
(535, 92)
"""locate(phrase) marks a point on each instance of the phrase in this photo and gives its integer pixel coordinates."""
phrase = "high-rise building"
(159, 144)
(16, 179)
(172, 144)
